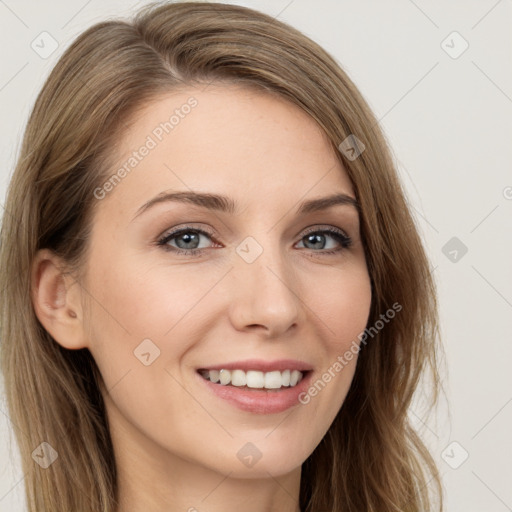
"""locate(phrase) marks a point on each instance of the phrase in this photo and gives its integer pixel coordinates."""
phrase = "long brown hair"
(371, 459)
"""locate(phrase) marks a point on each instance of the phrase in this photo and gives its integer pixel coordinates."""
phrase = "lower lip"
(260, 401)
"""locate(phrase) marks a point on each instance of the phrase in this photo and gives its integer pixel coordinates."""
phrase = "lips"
(270, 386)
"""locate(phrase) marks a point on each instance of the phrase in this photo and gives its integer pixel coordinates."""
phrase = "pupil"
(188, 238)
(315, 238)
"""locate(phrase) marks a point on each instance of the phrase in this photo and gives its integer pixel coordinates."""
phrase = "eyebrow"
(225, 204)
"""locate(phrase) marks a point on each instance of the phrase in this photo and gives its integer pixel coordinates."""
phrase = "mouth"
(257, 386)
(254, 379)
(255, 391)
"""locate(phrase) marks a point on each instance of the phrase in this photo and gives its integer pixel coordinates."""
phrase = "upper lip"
(261, 365)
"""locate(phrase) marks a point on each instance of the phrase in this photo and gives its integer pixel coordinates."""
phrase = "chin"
(262, 460)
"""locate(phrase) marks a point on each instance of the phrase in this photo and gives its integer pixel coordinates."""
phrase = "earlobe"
(56, 298)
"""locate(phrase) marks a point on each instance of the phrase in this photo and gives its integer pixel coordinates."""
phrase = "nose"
(264, 293)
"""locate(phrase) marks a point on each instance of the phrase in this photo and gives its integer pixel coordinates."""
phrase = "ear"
(56, 297)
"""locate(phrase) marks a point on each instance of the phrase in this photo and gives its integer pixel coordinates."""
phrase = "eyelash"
(344, 240)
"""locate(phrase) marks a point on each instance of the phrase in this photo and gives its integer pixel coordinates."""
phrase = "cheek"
(132, 302)
(342, 302)
(343, 309)
(141, 302)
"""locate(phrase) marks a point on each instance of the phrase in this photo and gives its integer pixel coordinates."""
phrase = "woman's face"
(264, 288)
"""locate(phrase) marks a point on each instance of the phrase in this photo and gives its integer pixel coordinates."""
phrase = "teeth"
(254, 379)
(225, 377)
(238, 378)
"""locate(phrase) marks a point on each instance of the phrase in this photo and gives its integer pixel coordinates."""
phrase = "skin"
(175, 443)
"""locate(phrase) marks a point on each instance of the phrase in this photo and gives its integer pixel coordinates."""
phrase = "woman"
(213, 293)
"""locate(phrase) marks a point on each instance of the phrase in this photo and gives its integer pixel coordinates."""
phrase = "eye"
(187, 240)
(316, 238)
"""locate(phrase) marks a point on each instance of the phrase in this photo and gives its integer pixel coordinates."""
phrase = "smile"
(254, 379)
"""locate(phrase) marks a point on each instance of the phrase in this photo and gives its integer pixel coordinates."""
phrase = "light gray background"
(449, 123)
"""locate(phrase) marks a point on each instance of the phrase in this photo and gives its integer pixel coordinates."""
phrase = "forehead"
(229, 140)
